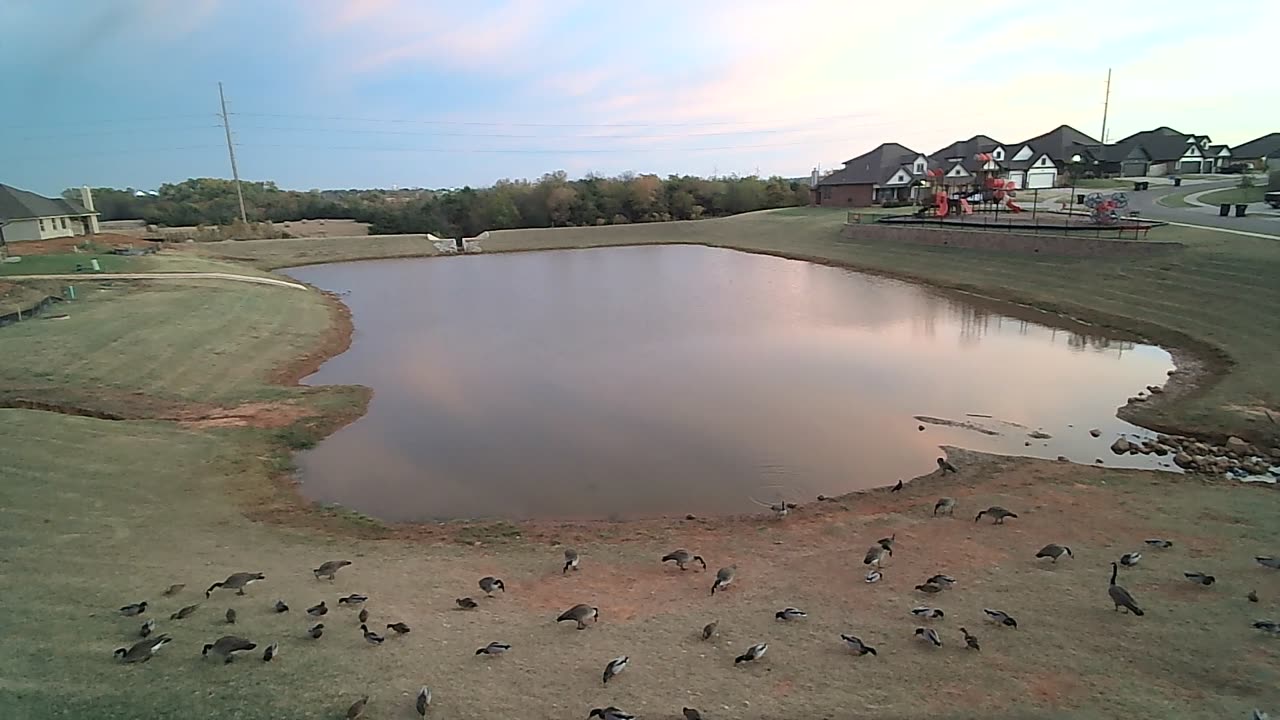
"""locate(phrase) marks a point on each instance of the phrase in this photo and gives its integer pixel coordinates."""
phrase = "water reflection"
(667, 380)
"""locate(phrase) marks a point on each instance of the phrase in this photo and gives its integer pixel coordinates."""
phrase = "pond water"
(665, 380)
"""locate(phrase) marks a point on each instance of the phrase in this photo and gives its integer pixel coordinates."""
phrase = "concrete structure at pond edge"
(27, 216)
(1061, 245)
(447, 246)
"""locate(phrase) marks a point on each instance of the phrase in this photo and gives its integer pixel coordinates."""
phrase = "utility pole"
(1106, 104)
(231, 150)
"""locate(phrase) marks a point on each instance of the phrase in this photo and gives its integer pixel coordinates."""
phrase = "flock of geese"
(228, 647)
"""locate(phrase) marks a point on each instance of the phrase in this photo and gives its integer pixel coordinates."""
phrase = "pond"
(666, 380)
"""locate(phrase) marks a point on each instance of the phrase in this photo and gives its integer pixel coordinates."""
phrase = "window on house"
(42, 224)
(826, 193)
(64, 223)
(998, 154)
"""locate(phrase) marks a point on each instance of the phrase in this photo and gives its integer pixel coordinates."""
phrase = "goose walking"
(1000, 617)
(329, 569)
(1054, 551)
(143, 650)
(724, 578)
(236, 581)
(423, 701)
(790, 613)
(399, 628)
(997, 513)
(280, 607)
(370, 636)
(610, 713)
(580, 614)
(857, 646)
(1120, 596)
(271, 652)
(570, 560)
(134, 609)
(357, 708)
(683, 557)
(352, 599)
(318, 610)
(494, 648)
(1268, 561)
(227, 646)
(615, 666)
(1130, 559)
(147, 628)
(710, 629)
(1159, 543)
(876, 555)
(490, 585)
(315, 631)
(944, 506)
(970, 641)
(466, 603)
(946, 467)
(185, 612)
(753, 653)
(173, 589)
(928, 613)
(929, 635)
(1199, 578)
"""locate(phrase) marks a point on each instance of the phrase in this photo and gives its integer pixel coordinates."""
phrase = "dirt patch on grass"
(62, 246)
(258, 415)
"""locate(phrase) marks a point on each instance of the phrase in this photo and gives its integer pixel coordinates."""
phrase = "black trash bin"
(1240, 209)
(1224, 209)
(1080, 199)
(1177, 182)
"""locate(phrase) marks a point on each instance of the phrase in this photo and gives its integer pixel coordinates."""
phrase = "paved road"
(162, 276)
(1145, 202)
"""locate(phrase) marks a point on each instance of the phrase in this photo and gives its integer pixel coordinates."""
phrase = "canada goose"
(753, 653)
(781, 508)
(185, 612)
(944, 506)
(142, 650)
(231, 616)
(570, 560)
(874, 576)
(1253, 596)
(614, 667)
(855, 644)
(357, 708)
(887, 543)
(317, 610)
(970, 641)
(272, 651)
(1120, 596)
(1270, 626)
(1199, 578)
(790, 613)
(690, 714)
(929, 635)
(610, 713)
(1268, 561)
(710, 629)
(315, 631)
(944, 581)
(134, 609)
(330, 568)
(683, 557)
(997, 513)
(423, 700)
(1000, 618)
(370, 636)
(364, 615)
(929, 588)
(1054, 551)
(173, 589)
(946, 467)
(1159, 543)
(494, 648)
(399, 628)
(928, 613)
(352, 599)
(876, 555)
(1130, 559)
(897, 488)
(490, 584)
(580, 614)
(227, 645)
(466, 603)
(724, 578)
(281, 607)
(147, 628)
(236, 581)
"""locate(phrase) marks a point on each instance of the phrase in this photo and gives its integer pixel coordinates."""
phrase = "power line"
(106, 121)
(94, 153)
(489, 123)
(117, 131)
(528, 136)
(525, 151)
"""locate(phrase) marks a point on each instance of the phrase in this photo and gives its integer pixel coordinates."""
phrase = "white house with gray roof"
(27, 216)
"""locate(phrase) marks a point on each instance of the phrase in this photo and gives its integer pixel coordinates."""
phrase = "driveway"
(1145, 203)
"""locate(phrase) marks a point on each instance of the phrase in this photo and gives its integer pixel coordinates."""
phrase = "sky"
(418, 93)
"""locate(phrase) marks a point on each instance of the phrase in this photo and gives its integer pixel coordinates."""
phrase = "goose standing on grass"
(173, 589)
(790, 613)
(352, 599)
(1130, 559)
(928, 613)
(610, 713)
(329, 569)
(1000, 617)
(1159, 543)
(1054, 551)
(683, 557)
(370, 636)
(490, 585)
(710, 629)
(357, 708)
(142, 650)
(997, 513)
(570, 560)
(1199, 578)
(494, 648)
(315, 631)
(970, 641)
(272, 651)
(724, 578)
(946, 467)
(876, 555)
(1120, 596)
(580, 614)
(929, 635)
(147, 628)
(134, 609)
(857, 646)
(317, 610)
(753, 653)
(423, 701)
(236, 581)
(615, 667)
(1268, 561)
(185, 612)
(399, 628)
(897, 488)
(944, 506)
(466, 603)
(281, 607)
(227, 646)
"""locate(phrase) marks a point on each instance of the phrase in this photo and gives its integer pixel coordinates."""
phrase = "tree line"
(551, 201)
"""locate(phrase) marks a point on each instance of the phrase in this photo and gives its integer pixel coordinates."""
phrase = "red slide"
(965, 208)
(1013, 206)
(940, 202)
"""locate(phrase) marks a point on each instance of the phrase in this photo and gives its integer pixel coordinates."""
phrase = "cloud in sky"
(414, 92)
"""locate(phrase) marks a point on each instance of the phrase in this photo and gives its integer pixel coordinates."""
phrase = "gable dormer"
(1024, 153)
(1043, 161)
(901, 177)
(957, 170)
(920, 165)
(997, 154)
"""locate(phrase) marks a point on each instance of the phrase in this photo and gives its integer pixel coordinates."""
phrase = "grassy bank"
(1234, 195)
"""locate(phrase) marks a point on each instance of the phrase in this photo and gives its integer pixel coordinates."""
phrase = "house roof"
(966, 148)
(872, 168)
(18, 204)
(1162, 144)
(1060, 143)
(1266, 146)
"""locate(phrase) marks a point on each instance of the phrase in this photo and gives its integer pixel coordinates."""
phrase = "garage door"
(1189, 166)
(1134, 168)
(1041, 178)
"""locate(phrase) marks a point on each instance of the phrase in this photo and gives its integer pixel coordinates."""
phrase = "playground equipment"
(1003, 190)
(1104, 209)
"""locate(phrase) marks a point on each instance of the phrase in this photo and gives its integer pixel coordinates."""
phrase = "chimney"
(813, 179)
(86, 199)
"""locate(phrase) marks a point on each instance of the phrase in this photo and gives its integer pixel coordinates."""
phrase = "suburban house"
(1167, 152)
(28, 216)
(1053, 156)
(1259, 153)
(889, 173)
